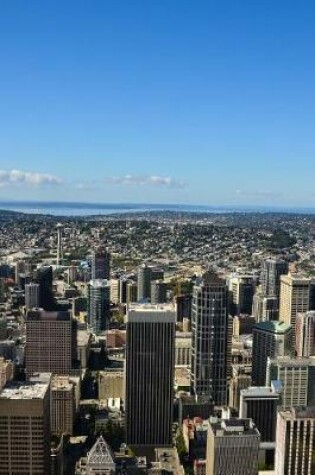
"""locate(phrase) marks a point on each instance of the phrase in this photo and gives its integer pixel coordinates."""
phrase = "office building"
(98, 305)
(25, 429)
(232, 447)
(65, 395)
(99, 460)
(210, 338)
(183, 307)
(158, 291)
(296, 442)
(241, 289)
(272, 270)
(111, 384)
(101, 260)
(150, 361)
(51, 342)
(132, 292)
(270, 339)
(294, 298)
(240, 379)
(261, 404)
(183, 349)
(19, 269)
(144, 282)
(305, 334)
(31, 296)
(297, 376)
(114, 291)
(123, 290)
(44, 278)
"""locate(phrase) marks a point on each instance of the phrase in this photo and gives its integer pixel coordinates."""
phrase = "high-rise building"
(25, 429)
(183, 307)
(44, 278)
(50, 342)
(232, 447)
(272, 270)
(269, 339)
(305, 334)
(261, 404)
(296, 442)
(65, 394)
(59, 227)
(241, 379)
(132, 292)
(31, 296)
(98, 305)
(297, 376)
(294, 298)
(99, 460)
(144, 282)
(101, 259)
(123, 290)
(210, 334)
(158, 291)
(114, 290)
(150, 358)
(242, 289)
(19, 269)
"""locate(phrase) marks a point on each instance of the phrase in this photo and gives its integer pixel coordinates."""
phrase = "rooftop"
(273, 326)
(18, 390)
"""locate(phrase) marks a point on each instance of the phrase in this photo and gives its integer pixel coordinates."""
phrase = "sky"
(162, 101)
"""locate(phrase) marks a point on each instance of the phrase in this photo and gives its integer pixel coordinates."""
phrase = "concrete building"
(101, 260)
(296, 442)
(132, 292)
(31, 296)
(294, 298)
(51, 343)
(210, 339)
(111, 384)
(144, 282)
(297, 376)
(25, 429)
(272, 270)
(6, 371)
(166, 461)
(65, 396)
(99, 460)
(305, 334)
(150, 362)
(158, 291)
(232, 447)
(183, 349)
(241, 379)
(114, 291)
(270, 339)
(98, 305)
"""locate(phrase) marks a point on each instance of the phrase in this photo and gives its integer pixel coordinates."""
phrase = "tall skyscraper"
(296, 442)
(242, 289)
(270, 339)
(232, 447)
(31, 296)
(101, 264)
(150, 360)
(25, 429)
(144, 282)
(44, 278)
(294, 298)
(210, 335)
(158, 291)
(305, 334)
(272, 270)
(50, 342)
(98, 305)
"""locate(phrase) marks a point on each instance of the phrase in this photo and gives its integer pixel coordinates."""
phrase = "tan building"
(25, 429)
(294, 297)
(51, 342)
(111, 384)
(6, 371)
(65, 397)
(183, 349)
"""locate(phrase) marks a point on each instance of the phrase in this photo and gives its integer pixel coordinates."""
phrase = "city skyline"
(206, 104)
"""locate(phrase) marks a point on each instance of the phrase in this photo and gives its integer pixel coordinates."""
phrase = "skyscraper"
(101, 264)
(295, 442)
(305, 334)
(25, 428)
(232, 447)
(242, 288)
(150, 359)
(210, 334)
(50, 342)
(144, 282)
(98, 305)
(31, 296)
(272, 270)
(158, 291)
(294, 298)
(44, 278)
(269, 339)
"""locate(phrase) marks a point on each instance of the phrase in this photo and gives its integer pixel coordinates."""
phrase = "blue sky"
(202, 102)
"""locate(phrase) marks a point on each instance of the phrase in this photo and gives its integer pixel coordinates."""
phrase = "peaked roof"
(100, 453)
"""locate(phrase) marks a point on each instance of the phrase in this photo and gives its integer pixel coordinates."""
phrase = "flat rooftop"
(17, 390)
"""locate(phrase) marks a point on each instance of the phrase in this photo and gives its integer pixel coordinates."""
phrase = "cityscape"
(157, 342)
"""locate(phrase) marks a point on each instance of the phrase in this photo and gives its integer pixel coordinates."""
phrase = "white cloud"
(20, 177)
(151, 180)
(258, 193)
